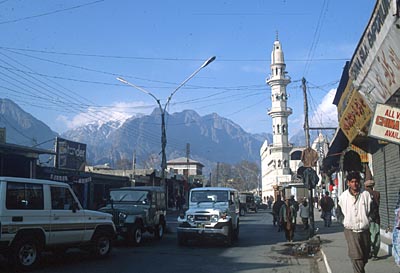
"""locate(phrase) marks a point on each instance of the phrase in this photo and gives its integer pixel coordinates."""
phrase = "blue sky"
(59, 59)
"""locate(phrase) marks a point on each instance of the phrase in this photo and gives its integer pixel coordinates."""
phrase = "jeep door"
(152, 202)
(67, 217)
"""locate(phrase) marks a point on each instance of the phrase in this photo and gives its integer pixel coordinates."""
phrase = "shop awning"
(336, 148)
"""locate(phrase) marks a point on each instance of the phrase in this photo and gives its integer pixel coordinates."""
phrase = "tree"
(123, 164)
(243, 176)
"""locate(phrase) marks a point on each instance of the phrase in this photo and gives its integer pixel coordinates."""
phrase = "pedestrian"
(269, 201)
(178, 203)
(304, 213)
(183, 203)
(295, 205)
(375, 219)
(355, 205)
(276, 207)
(287, 217)
(316, 202)
(326, 203)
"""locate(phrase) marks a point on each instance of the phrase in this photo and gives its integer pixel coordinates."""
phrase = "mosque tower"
(275, 167)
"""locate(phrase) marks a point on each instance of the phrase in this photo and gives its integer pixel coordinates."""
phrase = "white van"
(37, 215)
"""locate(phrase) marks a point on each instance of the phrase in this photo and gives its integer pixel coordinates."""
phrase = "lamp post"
(163, 109)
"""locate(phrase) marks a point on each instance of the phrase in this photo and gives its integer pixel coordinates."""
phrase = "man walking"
(375, 220)
(287, 216)
(327, 205)
(276, 207)
(355, 205)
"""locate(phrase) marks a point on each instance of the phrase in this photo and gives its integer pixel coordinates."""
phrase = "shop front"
(368, 103)
(92, 189)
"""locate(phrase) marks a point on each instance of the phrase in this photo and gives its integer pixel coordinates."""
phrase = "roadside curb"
(328, 268)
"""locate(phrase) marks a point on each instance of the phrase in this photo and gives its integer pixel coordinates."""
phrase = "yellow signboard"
(363, 155)
(355, 116)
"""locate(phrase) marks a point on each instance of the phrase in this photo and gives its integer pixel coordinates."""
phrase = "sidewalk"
(335, 253)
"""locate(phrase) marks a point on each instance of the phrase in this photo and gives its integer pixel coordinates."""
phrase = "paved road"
(260, 249)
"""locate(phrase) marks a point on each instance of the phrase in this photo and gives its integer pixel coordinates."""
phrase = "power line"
(49, 13)
(163, 58)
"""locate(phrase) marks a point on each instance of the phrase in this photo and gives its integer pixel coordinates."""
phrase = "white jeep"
(37, 215)
(213, 212)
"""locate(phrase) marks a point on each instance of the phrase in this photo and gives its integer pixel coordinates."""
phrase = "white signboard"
(375, 66)
(385, 123)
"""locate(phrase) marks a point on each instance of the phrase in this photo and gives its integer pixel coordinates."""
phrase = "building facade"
(368, 104)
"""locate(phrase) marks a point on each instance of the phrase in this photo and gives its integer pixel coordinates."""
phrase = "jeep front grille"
(202, 217)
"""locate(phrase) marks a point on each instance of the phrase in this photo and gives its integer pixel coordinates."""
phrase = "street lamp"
(163, 109)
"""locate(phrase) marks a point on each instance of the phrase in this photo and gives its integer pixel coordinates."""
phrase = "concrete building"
(275, 159)
(185, 166)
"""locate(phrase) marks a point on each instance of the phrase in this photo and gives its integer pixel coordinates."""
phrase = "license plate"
(200, 225)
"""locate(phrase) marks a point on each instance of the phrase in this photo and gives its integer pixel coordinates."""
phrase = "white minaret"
(275, 167)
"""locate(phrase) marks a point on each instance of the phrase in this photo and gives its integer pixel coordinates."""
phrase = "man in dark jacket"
(327, 205)
(276, 207)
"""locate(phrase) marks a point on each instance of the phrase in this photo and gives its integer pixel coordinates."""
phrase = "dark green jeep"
(137, 210)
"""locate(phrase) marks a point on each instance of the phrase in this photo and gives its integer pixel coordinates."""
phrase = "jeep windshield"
(128, 196)
(209, 196)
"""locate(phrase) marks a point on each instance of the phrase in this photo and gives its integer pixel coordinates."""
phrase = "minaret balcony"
(279, 112)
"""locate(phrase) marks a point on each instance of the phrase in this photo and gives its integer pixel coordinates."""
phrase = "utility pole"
(134, 162)
(187, 161)
(307, 134)
(217, 183)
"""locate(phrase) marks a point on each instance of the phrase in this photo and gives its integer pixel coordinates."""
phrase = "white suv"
(213, 212)
(37, 215)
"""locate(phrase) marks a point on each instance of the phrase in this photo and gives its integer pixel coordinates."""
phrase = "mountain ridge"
(211, 138)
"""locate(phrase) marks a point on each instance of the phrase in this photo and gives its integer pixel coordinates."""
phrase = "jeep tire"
(229, 237)
(242, 212)
(159, 230)
(25, 253)
(136, 234)
(102, 244)
(236, 231)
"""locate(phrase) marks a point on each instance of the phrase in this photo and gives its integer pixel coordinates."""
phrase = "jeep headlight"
(190, 217)
(214, 218)
(224, 215)
(122, 215)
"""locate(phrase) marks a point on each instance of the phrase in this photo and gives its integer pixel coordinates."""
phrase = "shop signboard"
(355, 117)
(70, 155)
(385, 124)
(375, 66)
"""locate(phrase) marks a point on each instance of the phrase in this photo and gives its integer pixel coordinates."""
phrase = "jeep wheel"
(136, 234)
(159, 230)
(182, 240)
(101, 245)
(242, 212)
(25, 254)
(236, 232)
(229, 237)
(255, 210)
